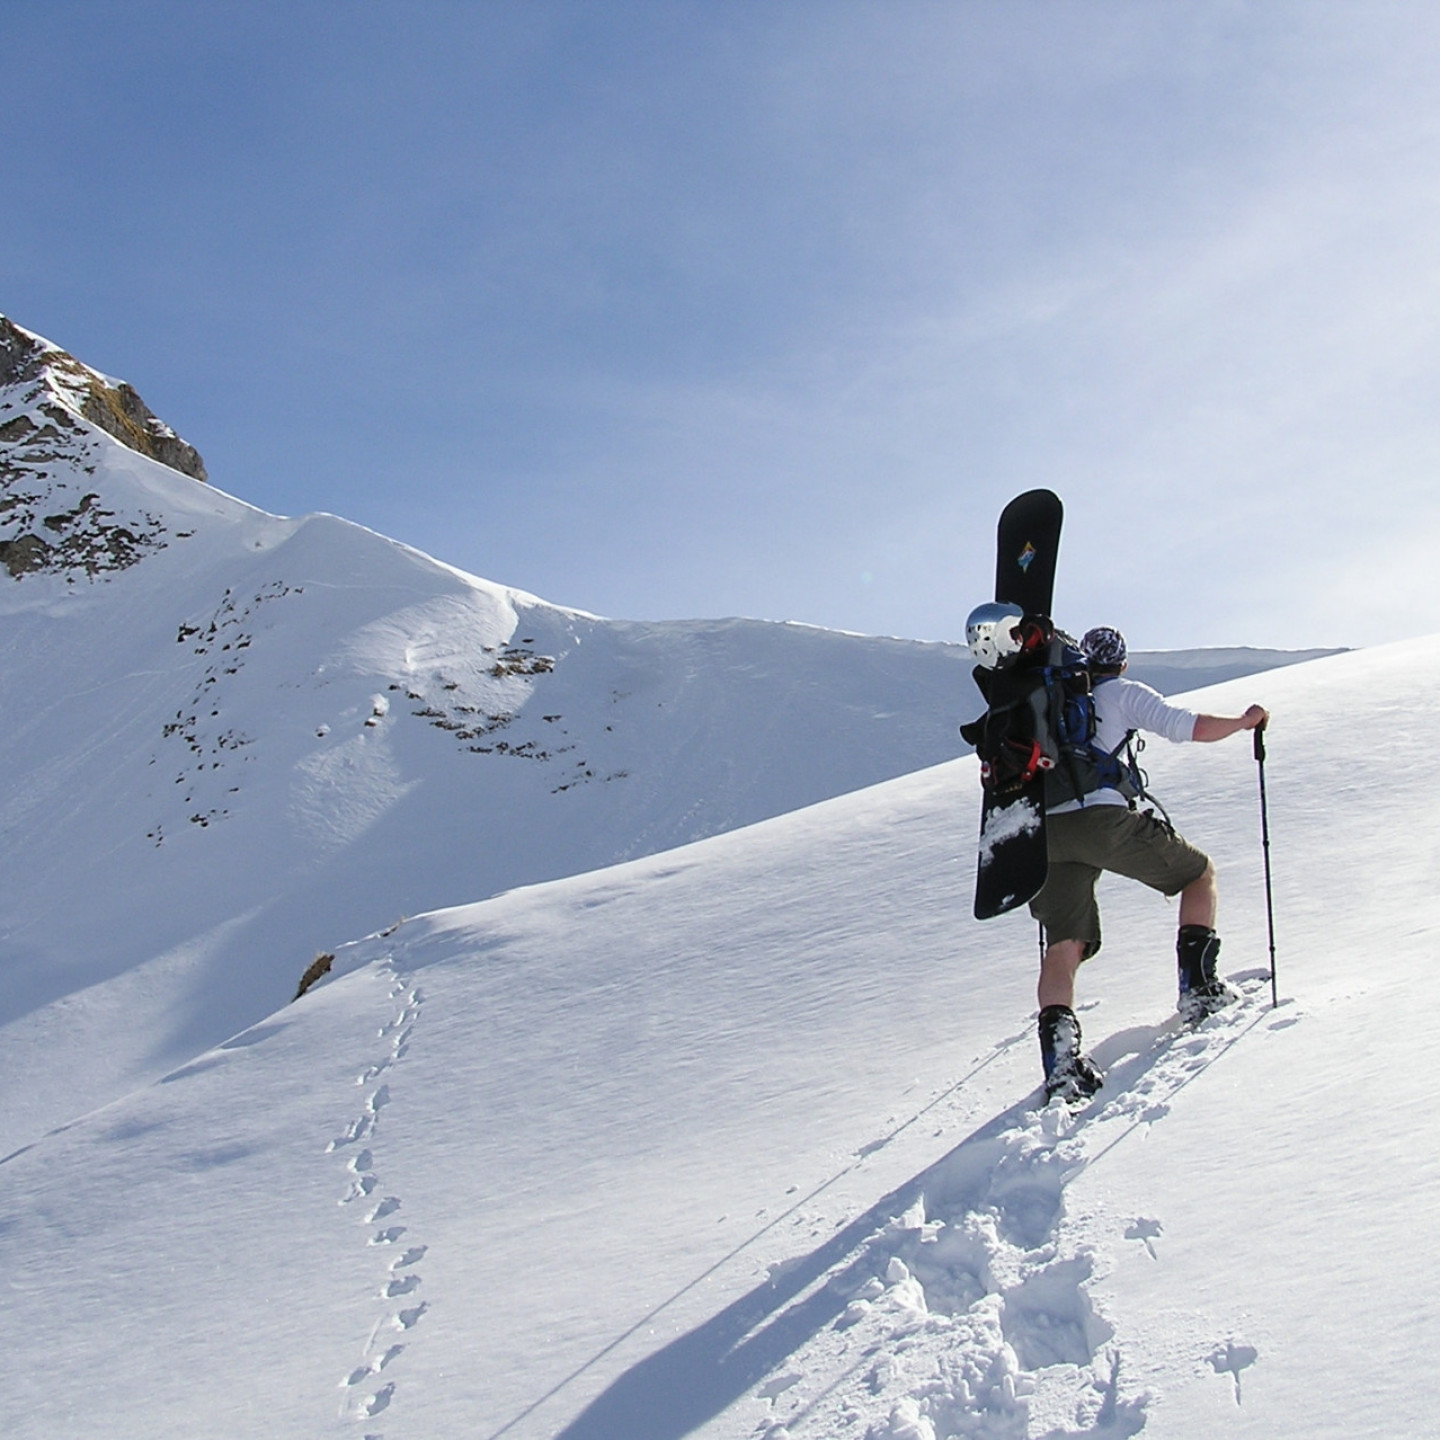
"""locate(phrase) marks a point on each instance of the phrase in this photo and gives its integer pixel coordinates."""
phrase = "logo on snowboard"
(1027, 555)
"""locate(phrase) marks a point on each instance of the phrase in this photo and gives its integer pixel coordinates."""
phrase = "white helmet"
(992, 632)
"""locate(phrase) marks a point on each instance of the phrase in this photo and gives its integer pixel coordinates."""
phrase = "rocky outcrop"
(122, 413)
(52, 519)
(112, 405)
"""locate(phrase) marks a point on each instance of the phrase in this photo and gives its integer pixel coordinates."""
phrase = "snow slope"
(232, 741)
(736, 1141)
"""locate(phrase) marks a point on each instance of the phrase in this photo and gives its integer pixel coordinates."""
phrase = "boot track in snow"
(958, 1305)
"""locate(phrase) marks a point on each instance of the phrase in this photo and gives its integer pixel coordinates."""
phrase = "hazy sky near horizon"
(765, 307)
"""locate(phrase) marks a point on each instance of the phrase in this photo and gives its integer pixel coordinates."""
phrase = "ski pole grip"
(1260, 741)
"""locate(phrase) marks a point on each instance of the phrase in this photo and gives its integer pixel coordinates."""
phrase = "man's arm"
(1220, 727)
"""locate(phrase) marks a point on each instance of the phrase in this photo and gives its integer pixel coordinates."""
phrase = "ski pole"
(1265, 847)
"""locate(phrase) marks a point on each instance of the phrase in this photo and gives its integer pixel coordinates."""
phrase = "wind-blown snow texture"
(736, 1139)
(737, 1136)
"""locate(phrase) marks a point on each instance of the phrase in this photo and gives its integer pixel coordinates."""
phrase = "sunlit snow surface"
(270, 736)
(231, 741)
(735, 1139)
(739, 1140)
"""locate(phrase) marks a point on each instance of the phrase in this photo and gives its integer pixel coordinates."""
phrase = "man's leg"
(1200, 900)
(1069, 1074)
(1143, 849)
(1058, 968)
(1066, 906)
(1197, 951)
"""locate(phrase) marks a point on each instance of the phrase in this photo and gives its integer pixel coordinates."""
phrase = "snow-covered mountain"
(232, 741)
(738, 1141)
(706, 1111)
(1176, 672)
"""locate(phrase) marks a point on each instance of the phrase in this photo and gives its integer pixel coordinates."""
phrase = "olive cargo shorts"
(1082, 843)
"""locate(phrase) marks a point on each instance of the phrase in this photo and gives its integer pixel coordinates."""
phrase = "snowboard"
(1012, 859)
(1026, 548)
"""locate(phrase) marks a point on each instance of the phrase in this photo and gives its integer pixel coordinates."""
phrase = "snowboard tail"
(1013, 863)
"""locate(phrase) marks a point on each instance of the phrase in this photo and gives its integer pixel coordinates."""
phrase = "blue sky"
(752, 307)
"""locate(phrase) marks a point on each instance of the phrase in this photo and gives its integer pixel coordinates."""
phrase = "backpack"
(1040, 720)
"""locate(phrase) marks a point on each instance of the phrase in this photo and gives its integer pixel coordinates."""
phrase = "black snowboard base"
(1012, 862)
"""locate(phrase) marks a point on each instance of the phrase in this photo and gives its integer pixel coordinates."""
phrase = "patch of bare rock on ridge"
(49, 519)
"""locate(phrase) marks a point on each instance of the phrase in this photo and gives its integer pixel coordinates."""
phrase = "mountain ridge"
(235, 740)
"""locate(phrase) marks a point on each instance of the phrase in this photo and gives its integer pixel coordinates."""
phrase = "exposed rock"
(24, 555)
(115, 407)
(51, 522)
(120, 411)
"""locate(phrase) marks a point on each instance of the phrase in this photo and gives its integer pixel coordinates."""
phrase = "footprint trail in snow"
(369, 1389)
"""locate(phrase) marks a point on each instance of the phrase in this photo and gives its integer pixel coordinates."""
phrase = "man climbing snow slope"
(1105, 830)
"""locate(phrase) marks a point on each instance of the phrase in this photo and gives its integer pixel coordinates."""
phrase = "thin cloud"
(750, 309)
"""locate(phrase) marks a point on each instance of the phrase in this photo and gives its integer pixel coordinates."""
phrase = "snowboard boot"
(1202, 991)
(1069, 1075)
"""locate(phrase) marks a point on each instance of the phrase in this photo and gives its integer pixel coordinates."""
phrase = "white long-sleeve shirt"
(1121, 706)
